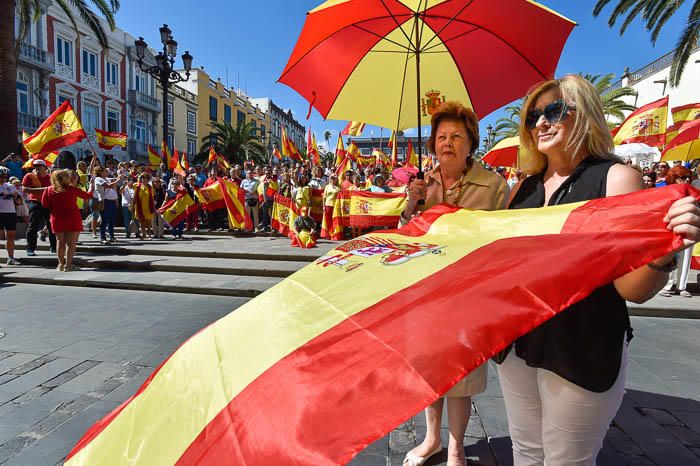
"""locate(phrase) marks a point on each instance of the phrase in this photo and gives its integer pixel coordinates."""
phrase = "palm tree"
(507, 126)
(236, 144)
(613, 104)
(655, 14)
(9, 49)
(327, 137)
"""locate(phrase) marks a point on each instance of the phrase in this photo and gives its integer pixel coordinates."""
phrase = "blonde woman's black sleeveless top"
(582, 344)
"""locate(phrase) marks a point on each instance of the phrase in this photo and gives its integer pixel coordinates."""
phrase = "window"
(191, 122)
(365, 151)
(112, 72)
(262, 131)
(90, 117)
(89, 63)
(191, 146)
(227, 113)
(22, 97)
(170, 143)
(171, 117)
(112, 121)
(141, 82)
(140, 130)
(213, 108)
(63, 98)
(64, 51)
(241, 118)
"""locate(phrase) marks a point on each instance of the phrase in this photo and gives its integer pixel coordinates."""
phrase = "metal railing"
(28, 123)
(144, 100)
(35, 56)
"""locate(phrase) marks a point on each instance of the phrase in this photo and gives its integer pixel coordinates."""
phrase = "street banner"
(336, 356)
(647, 125)
(109, 140)
(175, 210)
(234, 199)
(62, 128)
(284, 212)
(210, 197)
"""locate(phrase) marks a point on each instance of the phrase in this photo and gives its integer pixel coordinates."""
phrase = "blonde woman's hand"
(683, 218)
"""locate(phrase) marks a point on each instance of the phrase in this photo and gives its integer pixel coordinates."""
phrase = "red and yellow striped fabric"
(109, 140)
(154, 159)
(62, 128)
(364, 209)
(175, 210)
(647, 124)
(695, 259)
(210, 197)
(284, 212)
(234, 199)
(340, 353)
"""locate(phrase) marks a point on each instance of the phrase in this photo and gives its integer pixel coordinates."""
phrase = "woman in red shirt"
(60, 198)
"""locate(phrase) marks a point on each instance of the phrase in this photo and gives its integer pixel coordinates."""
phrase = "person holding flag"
(460, 181)
(144, 206)
(563, 381)
(250, 186)
(34, 184)
(269, 186)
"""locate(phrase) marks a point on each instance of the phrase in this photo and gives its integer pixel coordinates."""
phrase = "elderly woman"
(460, 181)
(564, 381)
(144, 206)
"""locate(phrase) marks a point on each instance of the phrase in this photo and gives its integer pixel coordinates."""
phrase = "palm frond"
(685, 45)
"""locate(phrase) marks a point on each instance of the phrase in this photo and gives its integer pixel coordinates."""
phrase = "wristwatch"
(668, 268)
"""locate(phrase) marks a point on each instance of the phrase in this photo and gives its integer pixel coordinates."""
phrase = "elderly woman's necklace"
(456, 187)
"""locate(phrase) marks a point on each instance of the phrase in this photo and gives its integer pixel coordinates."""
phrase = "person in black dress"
(564, 381)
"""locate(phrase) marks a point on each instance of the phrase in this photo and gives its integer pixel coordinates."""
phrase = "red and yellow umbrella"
(685, 146)
(504, 154)
(395, 61)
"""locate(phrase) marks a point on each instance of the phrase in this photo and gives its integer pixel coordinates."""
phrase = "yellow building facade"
(217, 103)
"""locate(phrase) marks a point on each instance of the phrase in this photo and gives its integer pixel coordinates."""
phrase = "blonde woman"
(60, 198)
(144, 205)
(564, 381)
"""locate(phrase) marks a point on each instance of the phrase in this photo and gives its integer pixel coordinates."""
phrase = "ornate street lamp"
(489, 139)
(164, 71)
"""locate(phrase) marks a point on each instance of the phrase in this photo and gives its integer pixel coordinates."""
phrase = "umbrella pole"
(420, 174)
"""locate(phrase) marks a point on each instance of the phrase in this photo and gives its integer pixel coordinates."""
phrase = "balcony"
(37, 58)
(145, 101)
(28, 123)
(137, 149)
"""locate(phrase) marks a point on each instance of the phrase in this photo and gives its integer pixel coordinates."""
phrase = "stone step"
(170, 282)
(196, 265)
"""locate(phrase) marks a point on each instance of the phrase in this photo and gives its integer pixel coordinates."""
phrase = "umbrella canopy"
(403, 174)
(504, 154)
(483, 53)
(685, 146)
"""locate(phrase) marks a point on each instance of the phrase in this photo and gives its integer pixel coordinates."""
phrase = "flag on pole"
(276, 153)
(316, 154)
(685, 146)
(185, 162)
(210, 197)
(354, 152)
(212, 155)
(340, 152)
(165, 155)
(154, 159)
(174, 160)
(286, 148)
(225, 397)
(411, 156)
(394, 150)
(62, 128)
(353, 128)
(109, 140)
(234, 198)
(49, 158)
(175, 210)
(685, 113)
(647, 125)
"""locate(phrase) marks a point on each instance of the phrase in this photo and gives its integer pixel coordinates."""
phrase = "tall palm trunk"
(8, 79)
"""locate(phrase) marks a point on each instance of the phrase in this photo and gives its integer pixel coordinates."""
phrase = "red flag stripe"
(371, 391)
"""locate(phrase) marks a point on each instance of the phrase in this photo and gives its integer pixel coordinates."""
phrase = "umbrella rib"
(427, 50)
(403, 88)
(529, 62)
(381, 37)
(437, 34)
(397, 22)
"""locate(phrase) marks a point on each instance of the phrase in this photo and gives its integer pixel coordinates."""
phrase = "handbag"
(19, 201)
(97, 205)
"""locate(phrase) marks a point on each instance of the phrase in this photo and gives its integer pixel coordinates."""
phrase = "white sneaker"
(11, 261)
(59, 268)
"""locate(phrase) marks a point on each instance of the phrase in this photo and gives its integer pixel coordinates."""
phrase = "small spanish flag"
(154, 159)
(109, 140)
(49, 158)
(61, 129)
(185, 162)
(175, 210)
(647, 124)
(174, 161)
(411, 156)
(165, 154)
(276, 153)
(340, 152)
(353, 128)
(210, 197)
(685, 146)
(286, 148)
(685, 113)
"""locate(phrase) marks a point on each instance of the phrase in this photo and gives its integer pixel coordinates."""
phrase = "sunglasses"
(554, 113)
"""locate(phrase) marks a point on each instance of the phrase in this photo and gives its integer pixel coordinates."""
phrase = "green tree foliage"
(237, 144)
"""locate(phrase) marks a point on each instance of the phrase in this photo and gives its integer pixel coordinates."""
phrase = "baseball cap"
(38, 162)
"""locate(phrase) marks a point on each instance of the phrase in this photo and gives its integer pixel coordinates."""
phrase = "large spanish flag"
(175, 210)
(375, 209)
(109, 140)
(685, 113)
(353, 128)
(340, 353)
(685, 146)
(316, 205)
(154, 159)
(647, 124)
(284, 212)
(61, 129)
(210, 197)
(234, 199)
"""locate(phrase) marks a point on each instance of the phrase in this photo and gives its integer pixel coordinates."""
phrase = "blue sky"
(252, 40)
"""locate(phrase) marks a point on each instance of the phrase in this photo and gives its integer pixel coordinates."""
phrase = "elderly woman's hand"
(417, 190)
(683, 219)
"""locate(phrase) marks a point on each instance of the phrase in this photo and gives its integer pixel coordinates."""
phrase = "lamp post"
(163, 71)
(489, 139)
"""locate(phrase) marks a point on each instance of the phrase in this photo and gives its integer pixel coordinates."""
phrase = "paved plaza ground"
(75, 345)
